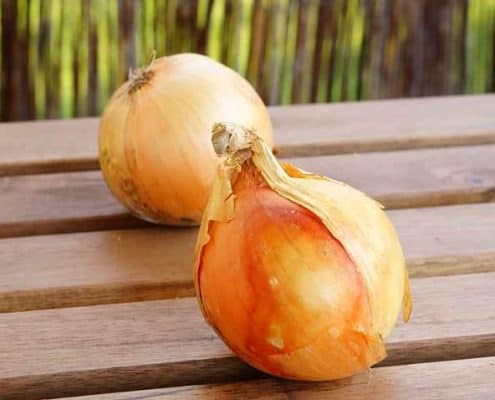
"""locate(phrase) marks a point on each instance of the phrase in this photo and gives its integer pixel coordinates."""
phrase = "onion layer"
(302, 276)
(155, 134)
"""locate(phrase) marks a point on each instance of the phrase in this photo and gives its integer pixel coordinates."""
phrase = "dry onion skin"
(155, 134)
(302, 276)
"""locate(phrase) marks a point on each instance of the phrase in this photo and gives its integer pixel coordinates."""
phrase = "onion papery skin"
(302, 276)
(282, 292)
(155, 135)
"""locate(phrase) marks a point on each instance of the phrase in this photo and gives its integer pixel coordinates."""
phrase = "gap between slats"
(219, 371)
(49, 166)
(79, 269)
(166, 343)
(300, 130)
(124, 220)
(454, 380)
(373, 146)
(80, 201)
(88, 295)
(282, 151)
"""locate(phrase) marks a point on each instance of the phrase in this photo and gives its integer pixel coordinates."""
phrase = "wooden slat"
(132, 346)
(70, 202)
(419, 178)
(384, 125)
(47, 146)
(454, 380)
(80, 201)
(54, 146)
(146, 264)
(93, 268)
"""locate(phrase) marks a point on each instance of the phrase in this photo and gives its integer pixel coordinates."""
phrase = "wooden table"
(95, 301)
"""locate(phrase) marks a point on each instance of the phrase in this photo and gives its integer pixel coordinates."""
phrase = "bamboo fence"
(64, 58)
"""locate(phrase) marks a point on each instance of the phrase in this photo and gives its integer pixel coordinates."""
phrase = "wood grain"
(384, 125)
(454, 380)
(135, 346)
(48, 146)
(70, 145)
(80, 201)
(76, 201)
(450, 265)
(79, 269)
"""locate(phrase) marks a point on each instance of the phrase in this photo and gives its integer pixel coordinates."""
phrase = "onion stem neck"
(139, 78)
(232, 140)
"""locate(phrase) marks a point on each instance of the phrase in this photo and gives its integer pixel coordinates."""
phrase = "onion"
(302, 276)
(155, 134)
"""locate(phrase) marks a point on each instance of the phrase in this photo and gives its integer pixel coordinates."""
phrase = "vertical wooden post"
(185, 26)
(92, 60)
(463, 44)
(447, 29)
(492, 72)
(26, 79)
(301, 60)
(380, 30)
(44, 48)
(17, 95)
(436, 60)
(193, 26)
(274, 57)
(76, 54)
(390, 79)
(127, 37)
(322, 28)
(8, 89)
(412, 57)
(258, 43)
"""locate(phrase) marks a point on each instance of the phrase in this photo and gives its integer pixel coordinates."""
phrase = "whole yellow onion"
(302, 276)
(155, 144)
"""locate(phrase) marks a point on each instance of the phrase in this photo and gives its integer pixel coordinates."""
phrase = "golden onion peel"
(155, 134)
(302, 276)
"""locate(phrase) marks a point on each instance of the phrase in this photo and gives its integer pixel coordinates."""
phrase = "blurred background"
(64, 58)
